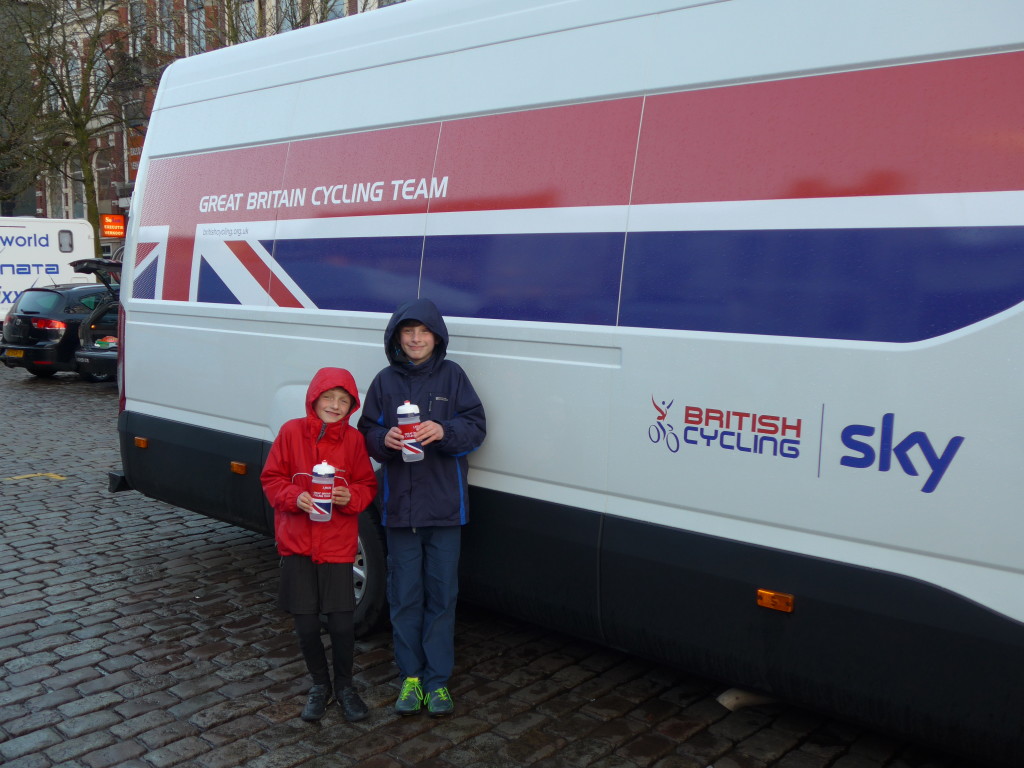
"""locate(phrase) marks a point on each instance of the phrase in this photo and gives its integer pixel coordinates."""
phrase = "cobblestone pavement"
(137, 634)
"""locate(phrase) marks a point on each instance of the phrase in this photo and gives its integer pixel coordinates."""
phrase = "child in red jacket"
(316, 557)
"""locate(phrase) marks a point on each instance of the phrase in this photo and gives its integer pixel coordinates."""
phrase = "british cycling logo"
(743, 431)
(661, 429)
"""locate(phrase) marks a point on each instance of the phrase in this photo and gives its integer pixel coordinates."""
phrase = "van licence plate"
(15, 353)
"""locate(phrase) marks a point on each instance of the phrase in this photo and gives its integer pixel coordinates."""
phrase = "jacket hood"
(423, 311)
(329, 378)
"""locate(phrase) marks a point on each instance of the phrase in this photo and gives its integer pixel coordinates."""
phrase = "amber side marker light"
(142, 442)
(239, 467)
(777, 601)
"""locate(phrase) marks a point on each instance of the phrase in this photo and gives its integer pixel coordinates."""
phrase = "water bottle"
(322, 492)
(408, 421)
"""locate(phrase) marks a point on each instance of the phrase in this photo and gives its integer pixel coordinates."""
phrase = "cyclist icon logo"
(661, 429)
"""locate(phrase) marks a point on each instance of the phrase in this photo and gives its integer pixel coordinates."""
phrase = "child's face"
(333, 405)
(417, 342)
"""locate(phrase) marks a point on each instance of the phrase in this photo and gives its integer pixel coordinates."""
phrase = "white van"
(36, 252)
(739, 283)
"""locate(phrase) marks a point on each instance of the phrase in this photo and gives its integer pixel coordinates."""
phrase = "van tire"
(369, 572)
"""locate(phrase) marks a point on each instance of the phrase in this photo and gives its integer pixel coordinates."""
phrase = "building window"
(248, 21)
(166, 12)
(137, 25)
(196, 26)
(335, 9)
(75, 74)
(288, 15)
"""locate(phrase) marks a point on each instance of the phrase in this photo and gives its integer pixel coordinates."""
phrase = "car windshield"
(39, 302)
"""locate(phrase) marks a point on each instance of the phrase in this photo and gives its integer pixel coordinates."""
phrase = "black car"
(41, 329)
(97, 342)
(97, 335)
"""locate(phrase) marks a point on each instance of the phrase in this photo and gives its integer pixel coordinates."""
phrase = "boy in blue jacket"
(425, 503)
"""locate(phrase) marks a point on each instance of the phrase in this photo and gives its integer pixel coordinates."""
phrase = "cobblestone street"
(137, 634)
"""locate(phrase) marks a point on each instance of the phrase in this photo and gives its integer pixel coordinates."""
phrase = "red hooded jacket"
(300, 445)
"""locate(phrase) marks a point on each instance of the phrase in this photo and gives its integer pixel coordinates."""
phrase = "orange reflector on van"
(777, 601)
(239, 467)
(142, 442)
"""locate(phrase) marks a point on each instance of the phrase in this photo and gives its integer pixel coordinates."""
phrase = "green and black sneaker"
(410, 700)
(439, 703)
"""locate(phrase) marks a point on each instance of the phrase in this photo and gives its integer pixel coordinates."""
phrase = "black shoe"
(352, 705)
(316, 702)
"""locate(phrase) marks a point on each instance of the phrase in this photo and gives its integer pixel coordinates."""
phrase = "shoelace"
(410, 689)
(442, 694)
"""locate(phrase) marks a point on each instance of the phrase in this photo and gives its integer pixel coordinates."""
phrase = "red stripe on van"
(947, 126)
(277, 290)
(580, 155)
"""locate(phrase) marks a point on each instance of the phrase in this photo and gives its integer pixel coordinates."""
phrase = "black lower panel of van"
(892, 652)
(191, 467)
(533, 559)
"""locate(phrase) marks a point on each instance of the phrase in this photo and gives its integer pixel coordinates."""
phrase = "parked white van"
(37, 252)
(740, 284)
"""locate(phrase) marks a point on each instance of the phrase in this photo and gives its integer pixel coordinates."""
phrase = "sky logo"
(866, 452)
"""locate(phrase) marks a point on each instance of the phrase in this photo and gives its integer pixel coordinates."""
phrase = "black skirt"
(308, 587)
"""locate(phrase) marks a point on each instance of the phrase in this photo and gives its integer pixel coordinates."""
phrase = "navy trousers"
(423, 588)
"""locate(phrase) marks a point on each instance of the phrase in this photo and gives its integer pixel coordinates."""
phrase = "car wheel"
(369, 574)
(43, 373)
(98, 378)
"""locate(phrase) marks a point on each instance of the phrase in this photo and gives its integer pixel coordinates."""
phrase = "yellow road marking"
(37, 474)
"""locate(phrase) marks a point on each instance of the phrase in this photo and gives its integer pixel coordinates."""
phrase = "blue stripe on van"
(558, 278)
(368, 274)
(894, 285)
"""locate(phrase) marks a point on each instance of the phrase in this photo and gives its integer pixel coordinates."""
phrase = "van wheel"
(369, 574)
(43, 373)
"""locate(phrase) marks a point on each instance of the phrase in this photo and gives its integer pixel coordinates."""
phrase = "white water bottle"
(322, 492)
(408, 422)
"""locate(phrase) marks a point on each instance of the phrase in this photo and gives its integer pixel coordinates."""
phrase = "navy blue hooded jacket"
(432, 491)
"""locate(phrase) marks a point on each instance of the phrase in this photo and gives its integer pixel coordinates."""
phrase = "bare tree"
(83, 57)
(213, 24)
(21, 118)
